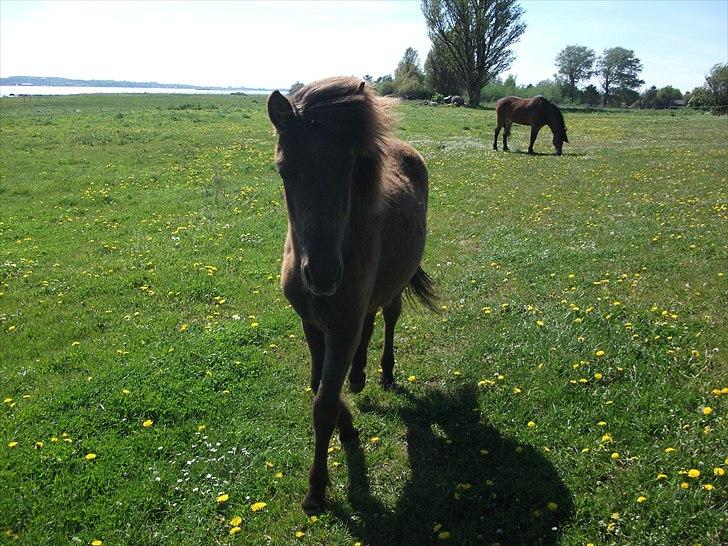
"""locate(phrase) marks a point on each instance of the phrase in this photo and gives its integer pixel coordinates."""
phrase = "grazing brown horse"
(356, 201)
(536, 112)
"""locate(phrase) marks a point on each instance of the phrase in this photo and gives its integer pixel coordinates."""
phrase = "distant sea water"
(36, 90)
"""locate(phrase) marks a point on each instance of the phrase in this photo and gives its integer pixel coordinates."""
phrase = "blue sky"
(272, 44)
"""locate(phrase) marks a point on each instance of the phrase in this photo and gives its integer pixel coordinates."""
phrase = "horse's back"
(409, 167)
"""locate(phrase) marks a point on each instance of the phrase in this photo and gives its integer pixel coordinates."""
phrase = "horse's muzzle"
(322, 279)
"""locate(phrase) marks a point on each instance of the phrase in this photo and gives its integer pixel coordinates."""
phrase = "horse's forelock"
(345, 108)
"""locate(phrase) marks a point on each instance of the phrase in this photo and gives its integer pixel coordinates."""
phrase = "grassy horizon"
(153, 377)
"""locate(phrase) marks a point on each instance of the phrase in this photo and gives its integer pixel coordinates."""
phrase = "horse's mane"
(556, 111)
(349, 110)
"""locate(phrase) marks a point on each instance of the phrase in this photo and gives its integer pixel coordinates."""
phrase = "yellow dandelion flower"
(552, 506)
(670, 450)
(300, 534)
(614, 456)
(684, 485)
(278, 475)
(201, 428)
(39, 445)
(693, 473)
(443, 535)
(234, 530)
(708, 486)
(237, 520)
(718, 471)
(412, 378)
(148, 423)
(184, 327)
(531, 424)
(97, 542)
(661, 477)
(516, 390)
(641, 499)
(11, 445)
(313, 519)
(258, 506)
(90, 456)
(374, 440)
(538, 323)
(223, 497)
(598, 376)
(600, 353)
(707, 410)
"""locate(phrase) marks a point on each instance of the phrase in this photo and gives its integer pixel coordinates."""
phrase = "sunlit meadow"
(572, 390)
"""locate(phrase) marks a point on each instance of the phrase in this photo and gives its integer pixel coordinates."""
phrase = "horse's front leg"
(316, 345)
(328, 408)
(495, 138)
(534, 133)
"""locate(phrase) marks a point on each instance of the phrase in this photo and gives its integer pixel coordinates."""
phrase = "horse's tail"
(422, 287)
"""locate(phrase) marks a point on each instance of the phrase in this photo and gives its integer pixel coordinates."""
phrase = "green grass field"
(154, 377)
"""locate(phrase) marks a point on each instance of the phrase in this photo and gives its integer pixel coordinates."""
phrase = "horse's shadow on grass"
(479, 486)
(569, 154)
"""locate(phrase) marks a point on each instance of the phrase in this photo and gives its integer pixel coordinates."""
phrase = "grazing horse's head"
(558, 128)
(559, 139)
(322, 130)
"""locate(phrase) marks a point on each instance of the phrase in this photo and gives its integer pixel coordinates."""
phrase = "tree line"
(471, 41)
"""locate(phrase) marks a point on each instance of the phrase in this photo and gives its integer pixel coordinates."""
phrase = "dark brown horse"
(356, 201)
(536, 112)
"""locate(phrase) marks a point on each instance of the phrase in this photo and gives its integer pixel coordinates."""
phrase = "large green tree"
(618, 70)
(439, 74)
(409, 80)
(574, 63)
(477, 35)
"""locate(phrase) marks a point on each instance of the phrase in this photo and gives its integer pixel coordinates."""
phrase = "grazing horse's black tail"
(422, 287)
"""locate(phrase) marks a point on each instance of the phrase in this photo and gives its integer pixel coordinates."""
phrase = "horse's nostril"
(306, 271)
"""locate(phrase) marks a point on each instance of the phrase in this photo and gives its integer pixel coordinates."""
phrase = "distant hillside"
(68, 82)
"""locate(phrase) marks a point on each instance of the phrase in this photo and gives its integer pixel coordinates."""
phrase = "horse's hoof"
(358, 386)
(350, 438)
(506, 150)
(313, 505)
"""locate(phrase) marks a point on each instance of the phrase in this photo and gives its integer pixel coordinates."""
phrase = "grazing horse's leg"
(327, 407)
(391, 314)
(506, 134)
(357, 375)
(316, 345)
(534, 133)
(495, 138)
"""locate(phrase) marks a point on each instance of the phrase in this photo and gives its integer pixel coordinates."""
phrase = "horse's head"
(559, 139)
(317, 172)
(558, 128)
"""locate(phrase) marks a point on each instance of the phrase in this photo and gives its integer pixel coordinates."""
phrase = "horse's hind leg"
(391, 313)
(357, 375)
(506, 134)
(495, 137)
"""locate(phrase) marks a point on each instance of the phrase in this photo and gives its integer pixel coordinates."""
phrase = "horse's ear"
(280, 111)
(360, 91)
